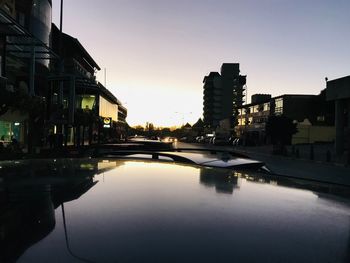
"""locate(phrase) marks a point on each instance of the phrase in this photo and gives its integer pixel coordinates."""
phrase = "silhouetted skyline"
(157, 52)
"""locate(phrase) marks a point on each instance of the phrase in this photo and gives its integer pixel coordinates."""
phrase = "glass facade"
(41, 19)
(9, 130)
(86, 102)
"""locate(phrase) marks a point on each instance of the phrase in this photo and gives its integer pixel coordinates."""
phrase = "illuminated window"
(266, 106)
(88, 102)
(279, 106)
(320, 118)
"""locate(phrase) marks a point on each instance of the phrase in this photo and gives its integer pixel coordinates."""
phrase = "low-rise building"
(312, 113)
(87, 105)
(338, 92)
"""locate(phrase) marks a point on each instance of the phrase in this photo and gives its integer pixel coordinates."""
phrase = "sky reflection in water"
(158, 212)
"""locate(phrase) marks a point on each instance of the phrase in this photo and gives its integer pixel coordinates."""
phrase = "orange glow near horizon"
(157, 52)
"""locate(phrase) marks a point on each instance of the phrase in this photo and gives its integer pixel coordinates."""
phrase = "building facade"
(338, 92)
(223, 93)
(46, 89)
(25, 54)
(86, 104)
(312, 113)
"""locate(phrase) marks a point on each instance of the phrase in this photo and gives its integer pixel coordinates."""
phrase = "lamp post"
(60, 71)
(60, 95)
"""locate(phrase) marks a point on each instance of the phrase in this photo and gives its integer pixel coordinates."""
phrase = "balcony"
(74, 67)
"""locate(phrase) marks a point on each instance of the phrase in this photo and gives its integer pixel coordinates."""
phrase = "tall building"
(223, 93)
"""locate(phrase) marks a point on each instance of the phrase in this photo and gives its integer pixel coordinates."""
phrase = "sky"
(157, 52)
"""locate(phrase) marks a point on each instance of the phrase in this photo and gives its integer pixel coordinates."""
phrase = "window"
(88, 102)
(266, 106)
(320, 118)
(279, 106)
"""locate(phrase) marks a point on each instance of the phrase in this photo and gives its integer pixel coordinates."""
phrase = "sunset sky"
(157, 52)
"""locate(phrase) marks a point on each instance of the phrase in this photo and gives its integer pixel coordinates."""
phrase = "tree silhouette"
(280, 129)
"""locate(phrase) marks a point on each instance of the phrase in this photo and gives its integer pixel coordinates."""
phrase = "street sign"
(107, 122)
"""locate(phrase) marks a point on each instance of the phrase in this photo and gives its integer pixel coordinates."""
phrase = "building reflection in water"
(31, 191)
(224, 180)
(29, 195)
(322, 190)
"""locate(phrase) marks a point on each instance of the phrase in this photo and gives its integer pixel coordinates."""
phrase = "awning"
(14, 116)
(20, 42)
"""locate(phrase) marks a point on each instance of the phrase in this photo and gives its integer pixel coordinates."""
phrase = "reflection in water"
(27, 216)
(322, 190)
(30, 193)
(29, 196)
(67, 239)
(347, 256)
(223, 180)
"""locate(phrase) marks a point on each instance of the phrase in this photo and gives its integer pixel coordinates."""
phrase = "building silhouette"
(223, 93)
(83, 96)
(48, 84)
(338, 91)
(25, 55)
(313, 114)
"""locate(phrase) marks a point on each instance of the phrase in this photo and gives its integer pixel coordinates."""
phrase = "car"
(175, 205)
(199, 139)
(219, 140)
(236, 142)
(169, 139)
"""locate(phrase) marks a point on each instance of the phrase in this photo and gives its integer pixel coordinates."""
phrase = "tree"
(186, 126)
(280, 129)
(199, 127)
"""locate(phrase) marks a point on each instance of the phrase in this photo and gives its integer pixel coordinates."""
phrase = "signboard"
(107, 122)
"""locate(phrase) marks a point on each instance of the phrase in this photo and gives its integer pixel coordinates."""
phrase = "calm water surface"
(133, 211)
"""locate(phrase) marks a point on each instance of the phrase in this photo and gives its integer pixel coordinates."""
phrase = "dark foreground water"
(133, 211)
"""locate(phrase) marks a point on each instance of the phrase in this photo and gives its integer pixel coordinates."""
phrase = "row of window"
(251, 120)
(263, 108)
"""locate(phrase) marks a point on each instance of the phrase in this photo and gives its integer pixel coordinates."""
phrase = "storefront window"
(9, 130)
(88, 102)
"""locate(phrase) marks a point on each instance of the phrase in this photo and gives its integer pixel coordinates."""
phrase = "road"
(288, 166)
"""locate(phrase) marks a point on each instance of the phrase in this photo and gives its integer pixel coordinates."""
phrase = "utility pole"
(105, 71)
(60, 95)
(60, 71)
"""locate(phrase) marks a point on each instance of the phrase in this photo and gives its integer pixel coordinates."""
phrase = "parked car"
(236, 142)
(167, 206)
(219, 140)
(169, 139)
(199, 139)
